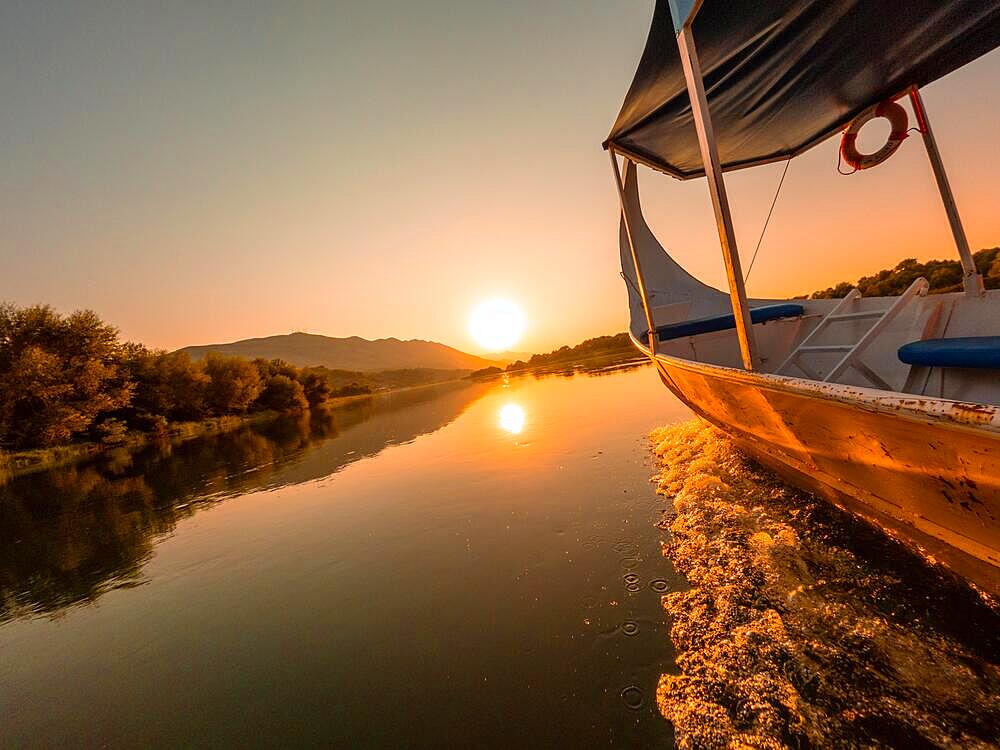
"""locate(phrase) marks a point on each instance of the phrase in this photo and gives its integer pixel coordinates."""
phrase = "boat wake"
(804, 627)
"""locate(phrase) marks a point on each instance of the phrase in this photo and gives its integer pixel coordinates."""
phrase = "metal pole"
(650, 328)
(723, 217)
(972, 281)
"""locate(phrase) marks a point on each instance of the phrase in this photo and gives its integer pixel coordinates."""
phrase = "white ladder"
(852, 352)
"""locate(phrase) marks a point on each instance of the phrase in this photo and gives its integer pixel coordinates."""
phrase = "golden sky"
(201, 174)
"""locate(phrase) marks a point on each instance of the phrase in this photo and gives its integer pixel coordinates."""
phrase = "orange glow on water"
(512, 418)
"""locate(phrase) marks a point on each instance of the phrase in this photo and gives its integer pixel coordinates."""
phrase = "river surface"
(471, 565)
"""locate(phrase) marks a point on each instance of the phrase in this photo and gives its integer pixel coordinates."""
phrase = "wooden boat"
(889, 406)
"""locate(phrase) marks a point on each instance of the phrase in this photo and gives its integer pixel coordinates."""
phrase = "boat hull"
(927, 471)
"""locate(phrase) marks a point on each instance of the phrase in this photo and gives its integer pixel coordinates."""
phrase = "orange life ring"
(896, 116)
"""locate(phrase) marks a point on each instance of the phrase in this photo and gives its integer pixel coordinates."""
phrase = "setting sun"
(497, 324)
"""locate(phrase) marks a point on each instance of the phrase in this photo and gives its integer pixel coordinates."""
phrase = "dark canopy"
(781, 75)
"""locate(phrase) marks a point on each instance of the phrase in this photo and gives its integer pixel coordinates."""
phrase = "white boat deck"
(853, 342)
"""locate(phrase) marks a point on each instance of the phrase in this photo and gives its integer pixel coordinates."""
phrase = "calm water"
(464, 566)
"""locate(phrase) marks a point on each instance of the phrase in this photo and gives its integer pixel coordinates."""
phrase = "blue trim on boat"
(969, 351)
(726, 322)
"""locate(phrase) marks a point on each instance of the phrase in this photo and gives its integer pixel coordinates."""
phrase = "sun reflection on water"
(512, 419)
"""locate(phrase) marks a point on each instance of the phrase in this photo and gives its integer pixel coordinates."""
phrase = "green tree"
(317, 388)
(268, 368)
(170, 385)
(944, 276)
(284, 395)
(57, 374)
(988, 264)
(234, 384)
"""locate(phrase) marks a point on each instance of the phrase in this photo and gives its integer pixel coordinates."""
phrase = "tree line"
(595, 347)
(67, 378)
(943, 276)
(599, 346)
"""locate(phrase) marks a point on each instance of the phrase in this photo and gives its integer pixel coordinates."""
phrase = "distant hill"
(353, 353)
(943, 275)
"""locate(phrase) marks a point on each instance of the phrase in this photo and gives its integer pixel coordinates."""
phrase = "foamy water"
(804, 627)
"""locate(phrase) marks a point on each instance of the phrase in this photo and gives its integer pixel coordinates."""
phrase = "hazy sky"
(208, 171)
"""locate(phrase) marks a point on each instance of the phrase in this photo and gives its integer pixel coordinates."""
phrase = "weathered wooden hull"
(926, 470)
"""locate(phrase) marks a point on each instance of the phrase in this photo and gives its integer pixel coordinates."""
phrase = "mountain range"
(352, 353)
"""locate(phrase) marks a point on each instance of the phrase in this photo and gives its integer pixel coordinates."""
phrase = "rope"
(767, 220)
(628, 282)
(840, 161)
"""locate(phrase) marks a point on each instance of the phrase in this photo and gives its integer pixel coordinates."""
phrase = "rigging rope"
(768, 219)
(628, 282)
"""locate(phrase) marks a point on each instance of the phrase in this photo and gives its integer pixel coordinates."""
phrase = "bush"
(285, 395)
(317, 389)
(111, 432)
(268, 368)
(172, 385)
(234, 384)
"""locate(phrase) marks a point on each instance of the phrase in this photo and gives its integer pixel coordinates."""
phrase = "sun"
(497, 324)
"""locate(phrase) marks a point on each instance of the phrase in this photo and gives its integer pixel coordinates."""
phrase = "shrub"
(285, 395)
(317, 388)
(234, 384)
(172, 385)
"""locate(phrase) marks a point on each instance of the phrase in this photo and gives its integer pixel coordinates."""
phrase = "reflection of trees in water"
(69, 535)
(597, 367)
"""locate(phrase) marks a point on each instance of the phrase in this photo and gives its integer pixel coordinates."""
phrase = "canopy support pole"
(650, 328)
(717, 187)
(972, 281)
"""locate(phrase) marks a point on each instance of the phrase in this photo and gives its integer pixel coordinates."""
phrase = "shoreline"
(622, 355)
(14, 464)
